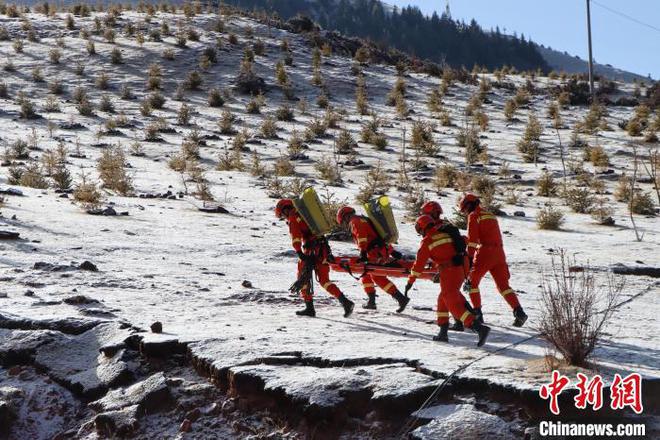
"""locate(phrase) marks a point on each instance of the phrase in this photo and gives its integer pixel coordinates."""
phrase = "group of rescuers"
(458, 264)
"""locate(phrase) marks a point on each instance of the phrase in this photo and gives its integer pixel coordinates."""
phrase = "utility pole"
(591, 60)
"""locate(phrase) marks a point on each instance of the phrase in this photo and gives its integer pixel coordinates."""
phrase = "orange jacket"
(483, 230)
(437, 246)
(362, 231)
(299, 231)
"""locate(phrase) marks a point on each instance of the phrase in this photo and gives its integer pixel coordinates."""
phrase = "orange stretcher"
(397, 268)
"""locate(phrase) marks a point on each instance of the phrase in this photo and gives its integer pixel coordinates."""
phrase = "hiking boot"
(457, 327)
(482, 331)
(520, 315)
(347, 304)
(308, 310)
(478, 316)
(442, 335)
(371, 302)
(402, 300)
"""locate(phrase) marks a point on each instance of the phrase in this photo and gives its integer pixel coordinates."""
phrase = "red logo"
(627, 392)
(553, 390)
(590, 392)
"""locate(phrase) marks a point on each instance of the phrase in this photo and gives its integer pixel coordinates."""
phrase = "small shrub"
(115, 56)
(33, 177)
(37, 74)
(642, 204)
(284, 113)
(87, 194)
(193, 80)
(169, 54)
(328, 171)
(468, 139)
(546, 185)
(376, 182)
(445, 176)
(580, 200)
(226, 122)
(184, 114)
(269, 128)
(422, 138)
(345, 143)
(283, 167)
(549, 218)
(26, 107)
(111, 167)
(106, 105)
(103, 81)
(85, 107)
(156, 100)
(215, 98)
(55, 55)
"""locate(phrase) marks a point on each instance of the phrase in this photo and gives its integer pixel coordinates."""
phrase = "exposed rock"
(301, 23)
(186, 425)
(9, 235)
(117, 423)
(519, 214)
(12, 192)
(462, 421)
(149, 395)
(157, 327)
(74, 326)
(213, 208)
(247, 284)
(648, 271)
(160, 345)
(75, 362)
(88, 265)
(19, 346)
(7, 416)
(80, 299)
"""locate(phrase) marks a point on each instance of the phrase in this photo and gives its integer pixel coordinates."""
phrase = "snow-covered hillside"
(218, 282)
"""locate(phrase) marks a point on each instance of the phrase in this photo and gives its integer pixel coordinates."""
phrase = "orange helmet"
(344, 212)
(433, 209)
(281, 206)
(423, 223)
(467, 200)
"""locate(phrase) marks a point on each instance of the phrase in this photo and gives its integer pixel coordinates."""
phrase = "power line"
(626, 16)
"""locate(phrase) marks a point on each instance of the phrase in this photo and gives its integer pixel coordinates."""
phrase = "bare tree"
(574, 309)
(632, 193)
(652, 169)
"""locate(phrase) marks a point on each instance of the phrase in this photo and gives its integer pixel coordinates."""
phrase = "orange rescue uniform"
(487, 253)
(304, 241)
(439, 247)
(367, 240)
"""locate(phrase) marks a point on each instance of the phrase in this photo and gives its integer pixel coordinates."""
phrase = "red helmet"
(423, 223)
(281, 206)
(466, 200)
(433, 209)
(344, 212)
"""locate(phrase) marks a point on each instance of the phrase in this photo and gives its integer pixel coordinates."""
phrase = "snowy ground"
(166, 261)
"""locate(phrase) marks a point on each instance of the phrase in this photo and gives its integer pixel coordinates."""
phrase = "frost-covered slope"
(167, 261)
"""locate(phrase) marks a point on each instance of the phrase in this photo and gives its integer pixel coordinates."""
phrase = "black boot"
(520, 315)
(402, 300)
(457, 327)
(442, 336)
(371, 303)
(479, 317)
(308, 310)
(482, 331)
(347, 304)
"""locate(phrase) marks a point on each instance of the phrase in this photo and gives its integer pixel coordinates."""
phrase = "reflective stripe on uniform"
(361, 240)
(506, 292)
(487, 217)
(438, 236)
(329, 283)
(415, 274)
(368, 285)
(443, 315)
(475, 290)
(465, 316)
(439, 242)
(297, 240)
(473, 244)
(388, 287)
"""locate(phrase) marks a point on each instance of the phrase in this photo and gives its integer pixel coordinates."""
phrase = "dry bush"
(254, 105)
(284, 113)
(322, 101)
(55, 55)
(295, 146)
(156, 100)
(413, 199)
(376, 182)
(549, 218)
(256, 168)
(111, 167)
(103, 81)
(284, 167)
(215, 98)
(344, 143)
(26, 107)
(598, 156)
(32, 176)
(575, 308)
(602, 212)
(546, 185)
(116, 56)
(510, 108)
(226, 122)
(422, 138)
(106, 105)
(623, 190)
(468, 139)
(329, 171)
(269, 128)
(580, 200)
(485, 187)
(184, 114)
(87, 194)
(445, 176)
(642, 204)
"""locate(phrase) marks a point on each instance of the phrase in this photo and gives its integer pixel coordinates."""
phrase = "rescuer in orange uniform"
(310, 248)
(434, 210)
(486, 251)
(444, 245)
(372, 250)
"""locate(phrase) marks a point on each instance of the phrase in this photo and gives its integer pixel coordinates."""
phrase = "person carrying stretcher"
(373, 250)
(443, 244)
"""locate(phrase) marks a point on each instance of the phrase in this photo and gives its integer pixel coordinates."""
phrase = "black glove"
(396, 255)
(408, 287)
(330, 258)
(457, 260)
(363, 257)
(302, 256)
